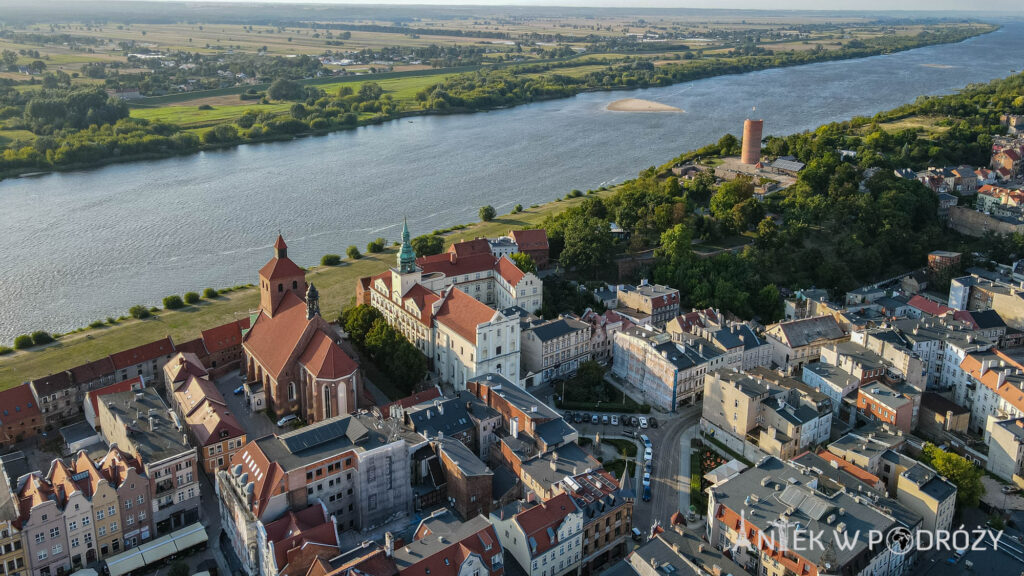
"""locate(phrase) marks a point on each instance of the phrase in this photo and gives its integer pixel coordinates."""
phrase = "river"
(80, 246)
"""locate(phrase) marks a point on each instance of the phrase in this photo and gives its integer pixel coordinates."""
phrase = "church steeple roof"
(407, 255)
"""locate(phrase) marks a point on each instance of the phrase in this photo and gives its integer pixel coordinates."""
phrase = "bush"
(179, 568)
(487, 213)
(173, 302)
(39, 338)
(205, 107)
(97, 324)
(111, 320)
(191, 297)
(139, 312)
(209, 293)
(330, 260)
(517, 209)
(4, 350)
(376, 246)
(353, 253)
(22, 342)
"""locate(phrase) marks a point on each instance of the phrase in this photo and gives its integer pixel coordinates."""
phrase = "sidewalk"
(684, 466)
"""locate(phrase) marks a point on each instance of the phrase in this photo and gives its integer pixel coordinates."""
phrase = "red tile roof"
(990, 379)
(509, 271)
(213, 422)
(191, 394)
(280, 245)
(424, 300)
(17, 404)
(852, 469)
(463, 313)
(295, 530)
(450, 265)
(325, 359)
(927, 306)
(92, 371)
(122, 386)
(53, 383)
(530, 239)
(409, 401)
(280, 268)
(470, 247)
(142, 354)
(223, 337)
(273, 340)
(535, 521)
(193, 346)
(183, 365)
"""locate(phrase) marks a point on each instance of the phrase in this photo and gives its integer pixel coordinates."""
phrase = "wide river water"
(85, 245)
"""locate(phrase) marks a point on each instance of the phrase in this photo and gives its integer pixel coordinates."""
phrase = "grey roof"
(554, 432)
(464, 458)
(903, 515)
(445, 416)
(504, 481)
(840, 378)
(517, 396)
(745, 383)
(789, 165)
(825, 469)
(781, 486)
(332, 436)
(15, 466)
(807, 330)
(929, 482)
(445, 531)
(886, 395)
(553, 329)
(987, 319)
(569, 460)
(1015, 427)
(154, 436)
(869, 440)
(940, 404)
(8, 511)
(77, 432)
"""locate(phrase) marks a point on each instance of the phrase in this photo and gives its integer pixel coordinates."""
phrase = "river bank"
(670, 74)
(92, 243)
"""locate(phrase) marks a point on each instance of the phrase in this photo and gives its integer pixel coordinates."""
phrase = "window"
(86, 520)
(113, 527)
(99, 514)
(41, 555)
(103, 531)
(73, 525)
(141, 500)
(110, 510)
(74, 542)
(40, 538)
(127, 504)
(129, 521)
(54, 532)
(58, 548)
(142, 515)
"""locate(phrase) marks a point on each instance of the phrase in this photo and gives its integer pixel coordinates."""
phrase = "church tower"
(278, 277)
(406, 274)
(312, 302)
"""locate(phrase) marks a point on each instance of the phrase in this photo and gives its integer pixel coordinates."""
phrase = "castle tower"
(312, 302)
(752, 130)
(406, 274)
(279, 276)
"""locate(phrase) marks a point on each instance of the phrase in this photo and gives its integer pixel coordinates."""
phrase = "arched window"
(498, 369)
(280, 287)
(291, 391)
(295, 285)
(327, 401)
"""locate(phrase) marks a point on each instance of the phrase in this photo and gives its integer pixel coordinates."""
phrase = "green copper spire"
(406, 256)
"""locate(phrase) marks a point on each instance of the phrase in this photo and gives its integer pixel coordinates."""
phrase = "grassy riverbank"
(335, 283)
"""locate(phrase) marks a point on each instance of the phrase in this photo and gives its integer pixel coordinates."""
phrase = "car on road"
(637, 535)
(1008, 489)
(647, 479)
(287, 420)
(239, 390)
(604, 419)
(643, 422)
(648, 454)
(615, 419)
(653, 422)
(593, 419)
(645, 440)
(647, 494)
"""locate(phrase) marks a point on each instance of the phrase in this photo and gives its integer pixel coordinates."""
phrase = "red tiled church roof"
(325, 359)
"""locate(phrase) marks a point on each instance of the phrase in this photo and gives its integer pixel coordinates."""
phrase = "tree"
(588, 245)
(381, 339)
(958, 470)
(729, 195)
(139, 312)
(179, 568)
(427, 244)
(209, 293)
(40, 337)
(487, 213)
(23, 342)
(10, 58)
(330, 260)
(524, 262)
(376, 246)
(406, 366)
(747, 214)
(358, 321)
(353, 253)
(285, 89)
(191, 297)
(173, 302)
(369, 91)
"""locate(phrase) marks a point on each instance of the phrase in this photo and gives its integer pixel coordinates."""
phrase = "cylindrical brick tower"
(752, 141)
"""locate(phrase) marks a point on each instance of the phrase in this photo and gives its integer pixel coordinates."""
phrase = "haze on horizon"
(819, 5)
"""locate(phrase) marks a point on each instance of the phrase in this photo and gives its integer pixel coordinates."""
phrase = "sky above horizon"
(865, 5)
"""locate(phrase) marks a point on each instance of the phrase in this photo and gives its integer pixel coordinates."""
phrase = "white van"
(286, 420)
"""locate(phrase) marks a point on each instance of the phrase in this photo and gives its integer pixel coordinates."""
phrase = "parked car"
(239, 390)
(287, 420)
(593, 419)
(638, 536)
(604, 419)
(643, 422)
(647, 494)
(648, 454)
(1008, 489)
(633, 421)
(567, 415)
(577, 417)
(615, 419)
(645, 440)
(625, 420)
(647, 479)
(649, 467)
(652, 422)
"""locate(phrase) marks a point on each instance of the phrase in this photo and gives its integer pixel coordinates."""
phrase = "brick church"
(291, 352)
